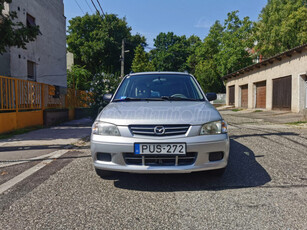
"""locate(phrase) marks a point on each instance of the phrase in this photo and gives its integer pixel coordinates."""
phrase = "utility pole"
(122, 58)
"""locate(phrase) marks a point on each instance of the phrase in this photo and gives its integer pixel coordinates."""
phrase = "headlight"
(105, 129)
(215, 127)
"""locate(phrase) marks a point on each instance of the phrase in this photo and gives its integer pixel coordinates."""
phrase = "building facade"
(277, 83)
(44, 60)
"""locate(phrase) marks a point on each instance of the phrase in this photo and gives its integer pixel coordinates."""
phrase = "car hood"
(159, 113)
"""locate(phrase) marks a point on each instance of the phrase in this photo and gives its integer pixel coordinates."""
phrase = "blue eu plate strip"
(137, 148)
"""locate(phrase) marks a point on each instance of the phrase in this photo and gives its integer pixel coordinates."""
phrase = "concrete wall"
(48, 51)
(56, 116)
(70, 60)
(296, 66)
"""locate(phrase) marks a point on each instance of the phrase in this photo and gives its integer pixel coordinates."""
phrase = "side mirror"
(211, 96)
(107, 97)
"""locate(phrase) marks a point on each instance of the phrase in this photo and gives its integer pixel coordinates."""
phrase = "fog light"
(216, 156)
(104, 157)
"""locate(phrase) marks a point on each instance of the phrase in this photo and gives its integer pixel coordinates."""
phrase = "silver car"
(159, 122)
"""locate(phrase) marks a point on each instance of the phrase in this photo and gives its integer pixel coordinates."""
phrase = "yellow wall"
(12, 121)
(28, 119)
(7, 122)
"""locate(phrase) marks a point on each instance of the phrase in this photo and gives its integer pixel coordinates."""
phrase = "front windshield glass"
(159, 87)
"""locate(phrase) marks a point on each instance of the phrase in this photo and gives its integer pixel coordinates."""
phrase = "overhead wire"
(95, 7)
(100, 7)
(79, 6)
(89, 6)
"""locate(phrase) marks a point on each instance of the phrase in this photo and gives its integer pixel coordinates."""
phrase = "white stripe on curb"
(7, 185)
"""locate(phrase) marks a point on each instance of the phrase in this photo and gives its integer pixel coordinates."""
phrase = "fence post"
(17, 103)
(43, 96)
(16, 96)
(72, 104)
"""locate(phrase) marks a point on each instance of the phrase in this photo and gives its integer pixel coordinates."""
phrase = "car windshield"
(153, 87)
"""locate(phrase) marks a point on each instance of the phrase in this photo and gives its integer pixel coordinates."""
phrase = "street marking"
(42, 157)
(9, 184)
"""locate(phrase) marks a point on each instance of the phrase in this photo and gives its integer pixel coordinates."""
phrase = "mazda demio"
(159, 122)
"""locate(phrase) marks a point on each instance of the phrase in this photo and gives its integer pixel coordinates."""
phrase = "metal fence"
(17, 94)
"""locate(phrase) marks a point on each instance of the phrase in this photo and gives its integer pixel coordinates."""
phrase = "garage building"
(278, 83)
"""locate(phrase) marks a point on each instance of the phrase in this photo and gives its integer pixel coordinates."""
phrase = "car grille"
(159, 160)
(149, 130)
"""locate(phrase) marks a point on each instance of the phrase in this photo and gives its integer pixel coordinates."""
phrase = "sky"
(183, 17)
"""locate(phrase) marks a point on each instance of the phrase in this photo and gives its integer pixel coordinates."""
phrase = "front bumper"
(118, 146)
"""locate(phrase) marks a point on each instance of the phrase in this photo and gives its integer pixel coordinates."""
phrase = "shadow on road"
(243, 171)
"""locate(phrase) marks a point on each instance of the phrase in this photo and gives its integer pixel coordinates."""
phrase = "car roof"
(159, 72)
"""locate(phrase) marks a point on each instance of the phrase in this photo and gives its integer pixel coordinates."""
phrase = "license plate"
(176, 149)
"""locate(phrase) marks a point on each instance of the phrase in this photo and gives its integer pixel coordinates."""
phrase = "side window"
(31, 70)
(30, 20)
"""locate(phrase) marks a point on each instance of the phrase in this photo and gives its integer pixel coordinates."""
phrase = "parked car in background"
(159, 122)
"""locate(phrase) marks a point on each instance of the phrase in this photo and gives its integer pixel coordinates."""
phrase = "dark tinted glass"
(156, 86)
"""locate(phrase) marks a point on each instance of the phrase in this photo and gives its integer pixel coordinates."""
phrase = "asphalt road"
(264, 187)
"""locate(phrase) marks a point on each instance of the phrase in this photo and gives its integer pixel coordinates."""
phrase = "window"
(30, 21)
(157, 86)
(31, 70)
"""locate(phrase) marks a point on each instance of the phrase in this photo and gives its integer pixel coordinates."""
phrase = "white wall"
(296, 65)
(48, 51)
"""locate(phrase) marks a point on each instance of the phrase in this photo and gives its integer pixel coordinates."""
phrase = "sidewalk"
(42, 142)
(272, 116)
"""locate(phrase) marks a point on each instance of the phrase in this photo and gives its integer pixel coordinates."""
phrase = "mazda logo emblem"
(159, 130)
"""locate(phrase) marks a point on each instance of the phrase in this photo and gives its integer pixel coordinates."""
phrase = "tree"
(14, 33)
(102, 84)
(194, 42)
(141, 61)
(171, 52)
(224, 50)
(78, 78)
(206, 69)
(282, 25)
(235, 42)
(96, 42)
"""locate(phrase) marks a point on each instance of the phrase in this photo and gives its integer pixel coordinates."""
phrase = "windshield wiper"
(128, 99)
(178, 98)
(138, 99)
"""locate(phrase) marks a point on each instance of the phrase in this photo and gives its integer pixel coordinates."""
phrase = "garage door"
(261, 95)
(244, 96)
(282, 93)
(231, 95)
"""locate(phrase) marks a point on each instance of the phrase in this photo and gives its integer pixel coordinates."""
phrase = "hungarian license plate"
(175, 148)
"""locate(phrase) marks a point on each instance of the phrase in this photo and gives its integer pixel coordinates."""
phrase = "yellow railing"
(17, 94)
(22, 102)
(7, 94)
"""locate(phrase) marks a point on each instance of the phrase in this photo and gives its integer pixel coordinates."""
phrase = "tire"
(103, 173)
(218, 172)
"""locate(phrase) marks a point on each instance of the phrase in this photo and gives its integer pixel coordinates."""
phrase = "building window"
(31, 70)
(30, 20)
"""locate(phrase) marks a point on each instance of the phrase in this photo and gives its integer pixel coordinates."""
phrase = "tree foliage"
(101, 84)
(236, 38)
(141, 61)
(78, 78)
(224, 50)
(206, 69)
(14, 33)
(171, 52)
(282, 25)
(96, 42)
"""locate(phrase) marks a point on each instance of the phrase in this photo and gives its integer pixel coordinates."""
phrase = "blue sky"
(183, 17)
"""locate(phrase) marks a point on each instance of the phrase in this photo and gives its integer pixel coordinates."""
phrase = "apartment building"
(44, 60)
